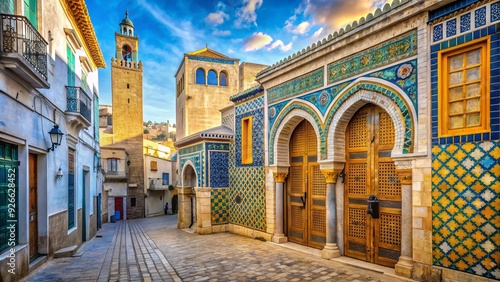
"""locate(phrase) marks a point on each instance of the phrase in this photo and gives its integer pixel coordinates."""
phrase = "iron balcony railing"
(79, 102)
(20, 36)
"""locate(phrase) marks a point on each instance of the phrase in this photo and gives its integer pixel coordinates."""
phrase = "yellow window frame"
(246, 140)
(444, 56)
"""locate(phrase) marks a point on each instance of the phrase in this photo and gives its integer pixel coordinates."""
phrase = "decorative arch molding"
(350, 101)
(332, 126)
(283, 128)
(193, 167)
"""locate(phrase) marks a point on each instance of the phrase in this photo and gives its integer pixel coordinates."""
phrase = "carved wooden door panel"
(306, 190)
(370, 172)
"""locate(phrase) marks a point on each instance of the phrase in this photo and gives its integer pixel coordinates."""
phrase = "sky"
(256, 31)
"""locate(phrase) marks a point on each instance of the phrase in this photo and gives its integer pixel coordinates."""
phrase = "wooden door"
(370, 170)
(306, 190)
(33, 205)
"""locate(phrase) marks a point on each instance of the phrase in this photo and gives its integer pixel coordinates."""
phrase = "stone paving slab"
(153, 249)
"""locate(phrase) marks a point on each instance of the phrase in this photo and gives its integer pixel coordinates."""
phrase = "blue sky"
(257, 31)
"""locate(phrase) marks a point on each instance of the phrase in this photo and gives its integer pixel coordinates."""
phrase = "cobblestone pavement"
(153, 249)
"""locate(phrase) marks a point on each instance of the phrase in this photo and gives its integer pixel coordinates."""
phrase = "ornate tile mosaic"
(296, 86)
(437, 32)
(249, 106)
(393, 50)
(468, 17)
(451, 27)
(403, 75)
(495, 12)
(196, 155)
(219, 205)
(466, 207)
(480, 17)
(212, 60)
(218, 169)
(494, 32)
(464, 23)
(255, 109)
(247, 197)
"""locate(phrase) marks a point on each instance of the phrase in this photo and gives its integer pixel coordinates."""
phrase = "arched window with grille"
(200, 76)
(223, 78)
(212, 77)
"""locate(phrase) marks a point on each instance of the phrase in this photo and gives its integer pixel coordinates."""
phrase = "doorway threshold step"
(37, 263)
(66, 252)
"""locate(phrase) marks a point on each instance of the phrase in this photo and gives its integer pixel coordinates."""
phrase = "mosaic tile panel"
(296, 86)
(451, 27)
(219, 205)
(464, 23)
(217, 146)
(212, 60)
(450, 8)
(393, 50)
(196, 155)
(466, 207)
(218, 169)
(494, 32)
(257, 114)
(197, 160)
(398, 100)
(247, 197)
(495, 12)
(249, 106)
(480, 17)
(467, 17)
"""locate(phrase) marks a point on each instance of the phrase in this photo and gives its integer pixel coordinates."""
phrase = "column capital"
(279, 176)
(331, 175)
(405, 175)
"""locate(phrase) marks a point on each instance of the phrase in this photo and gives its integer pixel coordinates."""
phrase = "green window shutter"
(71, 66)
(7, 6)
(30, 7)
(9, 190)
(96, 118)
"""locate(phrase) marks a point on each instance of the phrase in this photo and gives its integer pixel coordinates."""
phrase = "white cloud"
(246, 15)
(218, 32)
(318, 33)
(216, 18)
(257, 41)
(230, 51)
(281, 45)
(302, 28)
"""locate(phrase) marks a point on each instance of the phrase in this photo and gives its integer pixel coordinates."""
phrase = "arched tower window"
(223, 78)
(212, 77)
(200, 76)
(126, 53)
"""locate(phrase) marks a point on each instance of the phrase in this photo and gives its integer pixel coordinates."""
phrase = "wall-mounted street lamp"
(55, 137)
(59, 174)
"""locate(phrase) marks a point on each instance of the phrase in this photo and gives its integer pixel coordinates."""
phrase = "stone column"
(184, 207)
(331, 249)
(203, 210)
(405, 264)
(279, 179)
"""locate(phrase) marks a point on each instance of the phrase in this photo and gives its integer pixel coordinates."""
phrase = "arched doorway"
(189, 182)
(370, 172)
(306, 190)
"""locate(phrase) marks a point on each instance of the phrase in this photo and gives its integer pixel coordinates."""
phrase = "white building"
(49, 57)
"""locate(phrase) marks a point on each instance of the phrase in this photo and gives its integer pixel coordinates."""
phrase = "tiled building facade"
(379, 142)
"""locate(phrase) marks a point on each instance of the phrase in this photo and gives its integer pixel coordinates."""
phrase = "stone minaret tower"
(126, 83)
